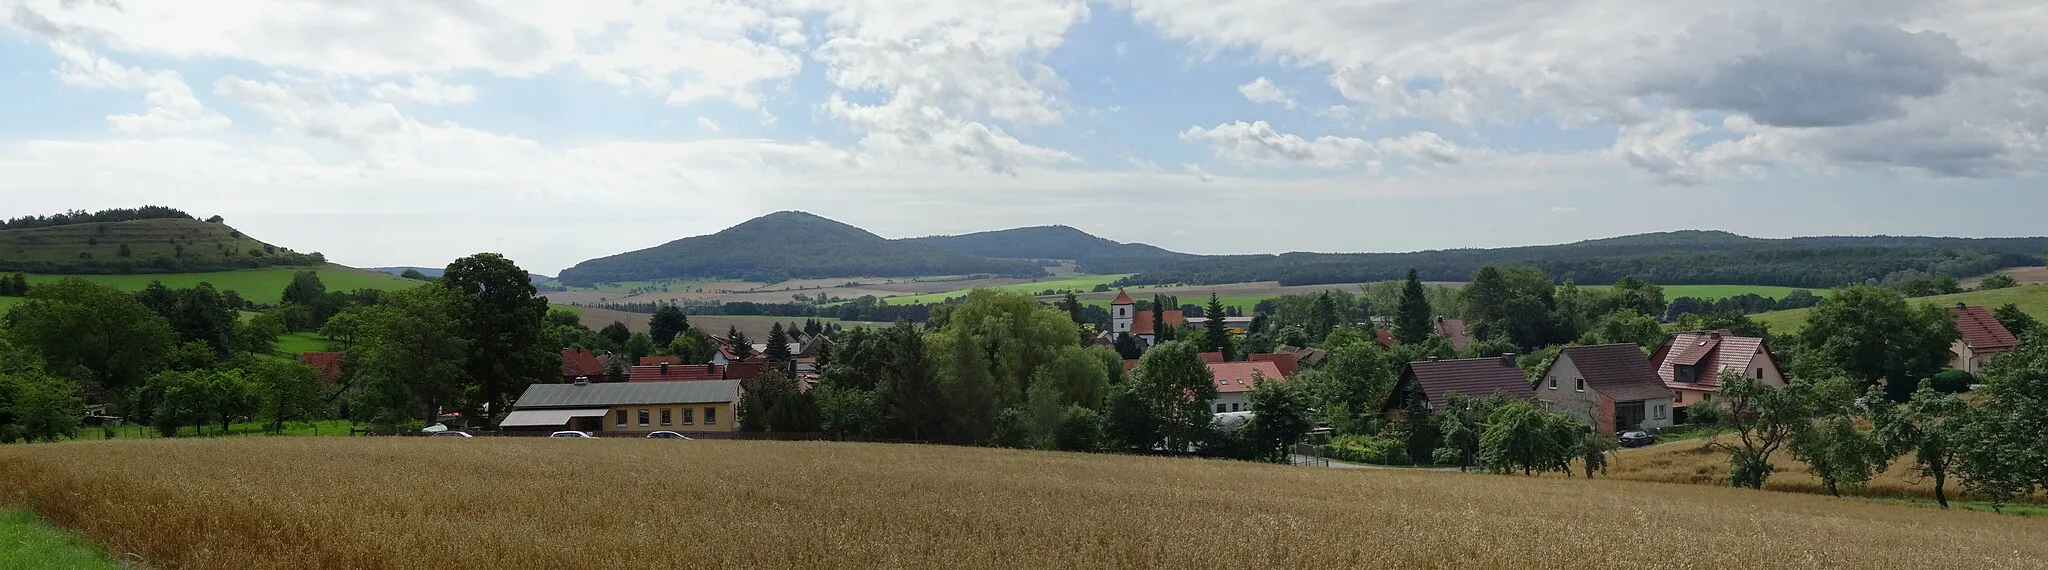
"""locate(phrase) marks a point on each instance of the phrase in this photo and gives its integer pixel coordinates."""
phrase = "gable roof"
(1714, 351)
(1234, 377)
(1141, 322)
(1287, 362)
(747, 370)
(1385, 337)
(327, 363)
(1472, 377)
(542, 396)
(580, 362)
(1618, 371)
(1211, 357)
(1309, 356)
(1453, 330)
(1122, 298)
(1981, 331)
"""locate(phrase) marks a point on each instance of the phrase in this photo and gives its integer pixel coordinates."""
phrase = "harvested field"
(2025, 275)
(555, 503)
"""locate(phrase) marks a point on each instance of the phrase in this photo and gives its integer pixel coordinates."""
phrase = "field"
(257, 285)
(8, 303)
(756, 327)
(294, 344)
(2024, 275)
(1724, 291)
(367, 503)
(1687, 462)
(2030, 298)
(28, 542)
(1079, 283)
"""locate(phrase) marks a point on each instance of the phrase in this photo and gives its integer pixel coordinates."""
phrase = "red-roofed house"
(1288, 362)
(327, 363)
(1983, 338)
(580, 363)
(1611, 387)
(1453, 330)
(1125, 318)
(659, 360)
(1234, 381)
(666, 372)
(1385, 337)
(1435, 380)
(1211, 357)
(1691, 363)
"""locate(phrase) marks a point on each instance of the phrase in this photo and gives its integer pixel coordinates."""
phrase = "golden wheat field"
(1689, 462)
(559, 503)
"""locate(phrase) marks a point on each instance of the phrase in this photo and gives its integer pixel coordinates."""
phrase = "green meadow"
(2030, 298)
(1079, 283)
(257, 285)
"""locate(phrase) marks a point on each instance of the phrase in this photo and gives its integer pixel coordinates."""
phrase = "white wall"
(1566, 398)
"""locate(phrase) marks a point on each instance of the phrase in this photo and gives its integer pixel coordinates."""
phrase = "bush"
(1952, 381)
(1703, 414)
(1080, 429)
(1367, 449)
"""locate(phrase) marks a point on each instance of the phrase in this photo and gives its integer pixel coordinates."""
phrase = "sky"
(412, 132)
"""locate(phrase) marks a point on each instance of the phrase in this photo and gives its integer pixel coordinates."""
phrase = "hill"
(537, 279)
(157, 245)
(788, 245)
(1670, 258)
(1094, 254)
(772, 504)
(2030, 298)
(263, 286)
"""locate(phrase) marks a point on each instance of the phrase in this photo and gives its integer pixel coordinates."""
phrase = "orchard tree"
(1930, 425)
(2016, 321)
(287, 390)
(1835, 448)
(1764, 419)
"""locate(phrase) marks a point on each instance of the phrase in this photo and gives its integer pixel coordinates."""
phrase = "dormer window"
(1687, 372)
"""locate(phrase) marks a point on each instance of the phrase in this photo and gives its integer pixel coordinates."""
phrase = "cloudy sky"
(385, 132)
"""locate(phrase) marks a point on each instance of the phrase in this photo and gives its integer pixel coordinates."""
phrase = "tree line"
(75, 217)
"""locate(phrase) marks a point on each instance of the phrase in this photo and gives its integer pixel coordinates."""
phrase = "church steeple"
(1122, 312)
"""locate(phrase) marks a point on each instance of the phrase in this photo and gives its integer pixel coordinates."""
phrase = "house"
(1611, 387)
(1435, 380)
(580, 364)
(1983, 338)
(666, 372)
(1124, 318)
(1234, 381)
(1454, 330)
(1304, 356)
(627, 408)
(1691, 364)
(1211, 357)
(1288, 363)
(658, 360)
(1385, 338)
(328, 364)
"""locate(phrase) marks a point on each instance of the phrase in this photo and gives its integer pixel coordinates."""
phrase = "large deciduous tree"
(408, 362)
(667, 322)
(1178, 387)
(1874, 336)
(1930, 425)
(505, 324)
(94, 334)
(1280, 417)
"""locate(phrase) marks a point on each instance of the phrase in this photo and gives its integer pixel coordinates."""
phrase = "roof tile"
(1618, 371)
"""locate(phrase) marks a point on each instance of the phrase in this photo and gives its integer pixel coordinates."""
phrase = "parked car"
(666, 435)
(571, 434)
(452, 434)
(1637, 438)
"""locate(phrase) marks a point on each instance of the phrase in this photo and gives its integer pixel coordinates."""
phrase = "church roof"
(1122, 298)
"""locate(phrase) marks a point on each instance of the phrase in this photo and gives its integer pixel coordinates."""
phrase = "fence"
(1309, 455)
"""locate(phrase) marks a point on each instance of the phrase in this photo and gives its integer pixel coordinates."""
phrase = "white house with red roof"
(1234, 381)
(1691, 363)
(1124, 318)
(1983, 338)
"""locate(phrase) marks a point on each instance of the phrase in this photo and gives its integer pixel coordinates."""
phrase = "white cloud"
(1263, 90)
(1422, 146)
(173, 109)
(425, 91)
(1258, 143)
(707, 124)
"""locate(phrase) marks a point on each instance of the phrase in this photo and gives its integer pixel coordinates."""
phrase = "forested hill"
(1093, 254)
(788, 245)
(135, 241)
(1686, 257)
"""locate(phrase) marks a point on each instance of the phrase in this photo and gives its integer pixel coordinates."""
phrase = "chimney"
(1962, 305)
(1439, 319)
(1508, 359)
(710, 368)
(1716, 335)
(664, 369)
(1433, 359)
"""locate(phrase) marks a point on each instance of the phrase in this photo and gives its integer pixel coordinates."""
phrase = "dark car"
(666, 435)
(1637, 439)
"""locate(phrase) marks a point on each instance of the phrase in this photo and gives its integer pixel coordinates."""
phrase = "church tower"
(1122, 312)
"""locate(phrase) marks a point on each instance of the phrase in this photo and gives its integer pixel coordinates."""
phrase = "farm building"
(1691, 364)
(627, 408)
(1983, 338)
(1435, 380)
(1611, 387)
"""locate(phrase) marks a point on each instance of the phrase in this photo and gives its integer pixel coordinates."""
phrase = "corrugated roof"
(1729, 353)
(541, 396)
(1981, 331)
(1233, 377)
(1472, 377)
(1618, 371)
(543, 418)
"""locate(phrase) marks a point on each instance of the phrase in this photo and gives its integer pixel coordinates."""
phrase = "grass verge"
(26, 541)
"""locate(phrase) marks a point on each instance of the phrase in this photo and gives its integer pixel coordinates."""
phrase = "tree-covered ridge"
(1094, 254)
(788, 245)
(1677, 258)
(169, 244)
(103, 216)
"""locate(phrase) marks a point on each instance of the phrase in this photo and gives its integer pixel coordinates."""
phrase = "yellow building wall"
(727, 419)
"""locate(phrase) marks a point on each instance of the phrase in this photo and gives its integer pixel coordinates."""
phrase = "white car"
(571, 434)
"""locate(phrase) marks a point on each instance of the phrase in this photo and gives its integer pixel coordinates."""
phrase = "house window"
(665, 416)
(1660, 411)
(1759, 373)
(622, 418)
(1219, 408)
(643, 418)
(1679, 398)
(1553, 382)
(1582, 385)
(710, 416)
(689, 416)
(1706, 397)
(1687, 372)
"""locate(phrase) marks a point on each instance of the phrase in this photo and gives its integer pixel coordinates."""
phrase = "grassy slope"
(146, 239)
(2031, 298)
(257, 285)
(28, 542)
(838, 505)
(296, 343)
